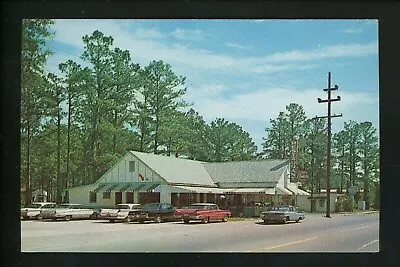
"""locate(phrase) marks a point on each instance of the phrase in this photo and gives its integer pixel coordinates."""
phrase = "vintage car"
(67, 211)
(157, 212)
(282, 214)
(32, 211)
(120, 212)
(204, 212)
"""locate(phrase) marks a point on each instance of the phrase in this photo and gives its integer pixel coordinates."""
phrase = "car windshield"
(151, 206)
(123, 207)
(198, 207)
(35, 206)
(279, 208)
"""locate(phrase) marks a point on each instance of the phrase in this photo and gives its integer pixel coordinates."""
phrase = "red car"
(204, 212)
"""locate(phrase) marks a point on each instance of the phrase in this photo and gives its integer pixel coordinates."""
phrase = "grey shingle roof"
(246, 171)
(176, 170)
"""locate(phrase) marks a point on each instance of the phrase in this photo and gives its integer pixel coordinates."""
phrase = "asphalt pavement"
(340, 233)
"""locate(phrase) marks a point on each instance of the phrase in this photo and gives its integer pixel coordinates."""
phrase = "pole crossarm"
(332, 88)
(325, 117)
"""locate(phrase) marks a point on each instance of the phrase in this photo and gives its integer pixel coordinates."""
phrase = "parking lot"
(340, 233)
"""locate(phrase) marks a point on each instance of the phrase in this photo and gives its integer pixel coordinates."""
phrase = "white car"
(32, 211)
(120, 212)
(282, 214)
(67, 211)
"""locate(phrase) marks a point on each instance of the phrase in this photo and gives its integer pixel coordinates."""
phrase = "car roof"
(43, 203)
(203, 204)
(129, 204)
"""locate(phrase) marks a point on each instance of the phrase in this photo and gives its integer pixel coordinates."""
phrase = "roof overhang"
(199, 189)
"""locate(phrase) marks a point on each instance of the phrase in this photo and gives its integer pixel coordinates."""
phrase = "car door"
(73, 211)
(292, 215)
(212, 212)
(167, 211)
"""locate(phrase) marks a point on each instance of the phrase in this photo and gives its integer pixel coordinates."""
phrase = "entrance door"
(129, 197)
(118, 198)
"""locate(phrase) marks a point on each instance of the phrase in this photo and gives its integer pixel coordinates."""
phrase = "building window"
(132, 166)
(92, 197)
(106, 195)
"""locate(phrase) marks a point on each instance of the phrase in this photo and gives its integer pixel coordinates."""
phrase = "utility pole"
(328, 161)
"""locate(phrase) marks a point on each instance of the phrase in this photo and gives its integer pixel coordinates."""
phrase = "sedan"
(157, 212)
(32, 211)
(67, 212)
(120, 212)
(282, 214)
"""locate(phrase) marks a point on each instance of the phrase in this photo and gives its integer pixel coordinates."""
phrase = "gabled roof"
(246, 171)
(176, 170)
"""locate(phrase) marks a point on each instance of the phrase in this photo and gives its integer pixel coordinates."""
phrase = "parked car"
(67, 211)
(32, 211)
(282, 214)
(204, 212)
(157, 212)
(120, 212)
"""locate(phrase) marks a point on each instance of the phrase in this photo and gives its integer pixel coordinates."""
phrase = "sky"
(247, 71)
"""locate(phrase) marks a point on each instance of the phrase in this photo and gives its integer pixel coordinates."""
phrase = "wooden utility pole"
(328, 160)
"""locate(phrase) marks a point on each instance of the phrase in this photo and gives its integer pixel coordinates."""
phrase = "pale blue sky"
(247, 71)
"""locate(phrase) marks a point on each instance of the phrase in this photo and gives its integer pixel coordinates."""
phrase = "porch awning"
(152, 186)
(127, 187)
(101, 186)
(283, 191)
(298, 191)
(198, 189)
(248, 190)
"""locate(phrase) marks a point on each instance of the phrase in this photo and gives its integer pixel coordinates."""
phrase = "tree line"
(355, 151)
(77, 123)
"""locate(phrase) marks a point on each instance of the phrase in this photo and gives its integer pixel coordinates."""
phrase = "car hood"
(273, 212)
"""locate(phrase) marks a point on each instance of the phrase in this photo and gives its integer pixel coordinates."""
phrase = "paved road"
(341, 233)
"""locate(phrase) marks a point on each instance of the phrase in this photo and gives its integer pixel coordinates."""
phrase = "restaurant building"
(144, 178)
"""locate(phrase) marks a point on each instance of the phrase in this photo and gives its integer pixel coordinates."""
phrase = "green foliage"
(163, 97)
(74, 126)
(355, 151)
(343, 204)
(227, 141)
(34, 101)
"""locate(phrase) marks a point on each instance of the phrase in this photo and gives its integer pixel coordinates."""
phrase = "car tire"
(25, 218)
(266, 221)
(141, 221)
(206, 220)
(112, 221)
(225, 219)
(285, 220)
(68, 217)
(128, 219)
(298, 219)
(185, 221)
(158, 219)
(38, 217)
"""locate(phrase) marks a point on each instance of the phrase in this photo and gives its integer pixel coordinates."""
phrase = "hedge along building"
(143, 178)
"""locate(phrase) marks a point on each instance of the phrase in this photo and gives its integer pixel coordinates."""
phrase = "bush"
(343, 204)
